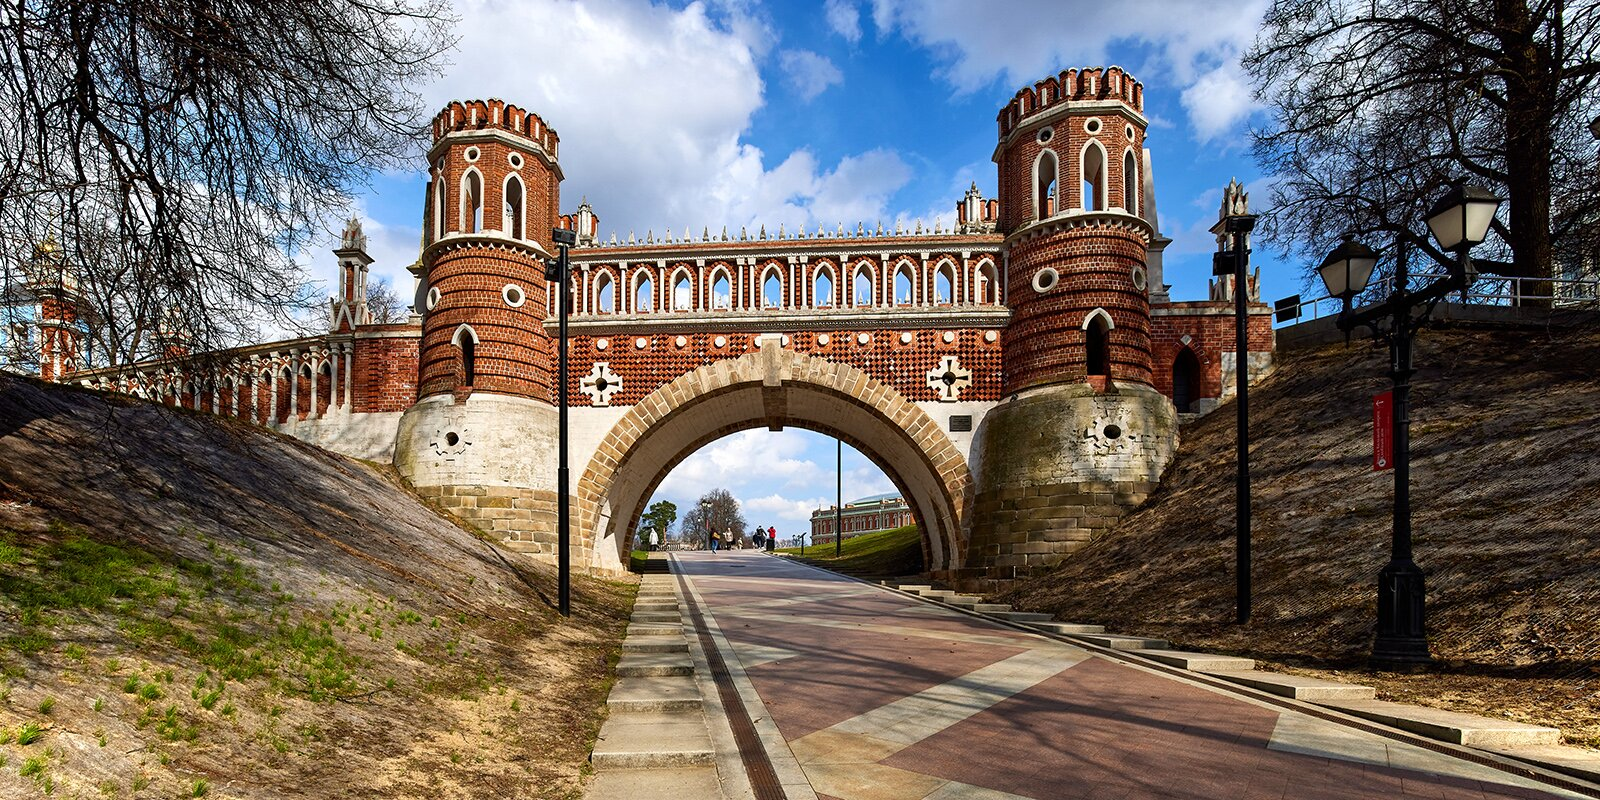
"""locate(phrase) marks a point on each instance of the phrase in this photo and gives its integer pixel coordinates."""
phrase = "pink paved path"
(882, 696)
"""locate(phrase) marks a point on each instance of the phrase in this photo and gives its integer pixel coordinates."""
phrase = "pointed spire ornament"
(763, 232)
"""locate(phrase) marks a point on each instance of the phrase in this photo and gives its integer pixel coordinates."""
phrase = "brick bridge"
(1019, 375)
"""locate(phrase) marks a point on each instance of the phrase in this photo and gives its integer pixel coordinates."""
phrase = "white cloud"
(1188, 41)
(808, 74)
(844, 18)
(1218, 102)
(652, 103)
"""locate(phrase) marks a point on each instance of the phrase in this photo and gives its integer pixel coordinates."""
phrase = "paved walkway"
(873, 695)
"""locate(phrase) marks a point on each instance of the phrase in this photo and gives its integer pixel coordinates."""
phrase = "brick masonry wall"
(521, 519)
(1027, 530)
(384, 373)
(885, 357)
(1046, 341)
(514, 355)
(1206, 333)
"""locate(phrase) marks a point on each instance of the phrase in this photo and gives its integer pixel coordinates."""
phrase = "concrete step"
(1067, 627)
(913, 587)
(1200, 662)
(654, 629)
(1022, 616)
(678, 783)
(677, 693)
(652, 740)
(1294, 686)
(655, 644)
(962, 599)
(656, 617)
(1449, 726)
(649, 665)
(933, 593)
(1575, 761)
(649, 603)
(1116, 641)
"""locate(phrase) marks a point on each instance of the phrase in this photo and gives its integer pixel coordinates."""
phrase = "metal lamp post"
(705, 511)
(1237, 262)
(1458, 221)
(557, 270)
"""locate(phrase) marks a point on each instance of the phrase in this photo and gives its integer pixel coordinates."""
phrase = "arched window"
(324, 389)
(1185, 380)
(1094, 177)
(605, 294)
(905, 287)
(1130, 184)
(944, 282)
(771, 290)
(1046, 175)
(467, 340)
(1097, 344)
(643, 294)
(863, 286)
(682, 293)
(471, 202)
(513, 214)
(722, 292)
(988, 285)
(430, 220)
(438, 209)
(822, 288)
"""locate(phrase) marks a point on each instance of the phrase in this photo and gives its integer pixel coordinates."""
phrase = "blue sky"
(741, 112)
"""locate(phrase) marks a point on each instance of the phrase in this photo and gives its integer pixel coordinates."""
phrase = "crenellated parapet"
(494, 114)
(1090, 84)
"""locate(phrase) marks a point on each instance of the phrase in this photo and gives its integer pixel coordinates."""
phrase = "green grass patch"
(885, 554)
(636, 560)
(171, 602)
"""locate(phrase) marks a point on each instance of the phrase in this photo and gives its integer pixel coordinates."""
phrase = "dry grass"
(207, 602)
(1506, 492)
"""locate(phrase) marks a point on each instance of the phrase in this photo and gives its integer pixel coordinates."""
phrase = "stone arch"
(769, 388)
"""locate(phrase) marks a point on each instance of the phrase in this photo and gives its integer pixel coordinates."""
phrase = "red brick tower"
(60, 312)
(1082, 436)
(492, 201)
(483, 432)
(1069, 157)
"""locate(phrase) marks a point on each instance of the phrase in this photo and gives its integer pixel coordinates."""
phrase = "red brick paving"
(1097, 730)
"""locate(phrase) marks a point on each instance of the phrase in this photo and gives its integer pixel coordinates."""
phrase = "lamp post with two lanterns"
(1458, 221)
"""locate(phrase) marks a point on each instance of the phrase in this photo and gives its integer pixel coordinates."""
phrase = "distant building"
(880, 512)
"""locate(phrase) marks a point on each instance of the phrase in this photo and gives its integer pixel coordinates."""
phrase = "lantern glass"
(1347, 270)
(1461, 218)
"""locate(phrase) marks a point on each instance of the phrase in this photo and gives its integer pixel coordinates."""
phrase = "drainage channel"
(763, 778)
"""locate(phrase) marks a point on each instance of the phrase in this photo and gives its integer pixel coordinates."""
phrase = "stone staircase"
(655, 742)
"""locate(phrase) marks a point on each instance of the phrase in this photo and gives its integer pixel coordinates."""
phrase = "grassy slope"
(189, 604)
(887, 554)
(1506, 492)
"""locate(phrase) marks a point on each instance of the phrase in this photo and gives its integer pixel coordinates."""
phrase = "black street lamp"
(1236, 228)
(1458, 221)
(705, 511)
(557, 270)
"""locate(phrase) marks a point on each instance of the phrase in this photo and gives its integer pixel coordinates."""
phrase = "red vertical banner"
(1383, 431)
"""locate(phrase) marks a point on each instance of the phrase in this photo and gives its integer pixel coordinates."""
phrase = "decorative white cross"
(600, 384)
(948, 378)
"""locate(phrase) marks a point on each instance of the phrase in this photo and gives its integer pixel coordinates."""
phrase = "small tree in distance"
(717, 509)
(659, 518)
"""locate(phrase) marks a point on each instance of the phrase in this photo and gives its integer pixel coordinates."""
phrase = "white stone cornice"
(492, 239)
(501, 136)
(1074, 219)
(1064, 108)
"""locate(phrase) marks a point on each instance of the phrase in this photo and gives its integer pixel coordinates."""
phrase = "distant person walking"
(760, 539)
(772, 539)
(713, 540)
